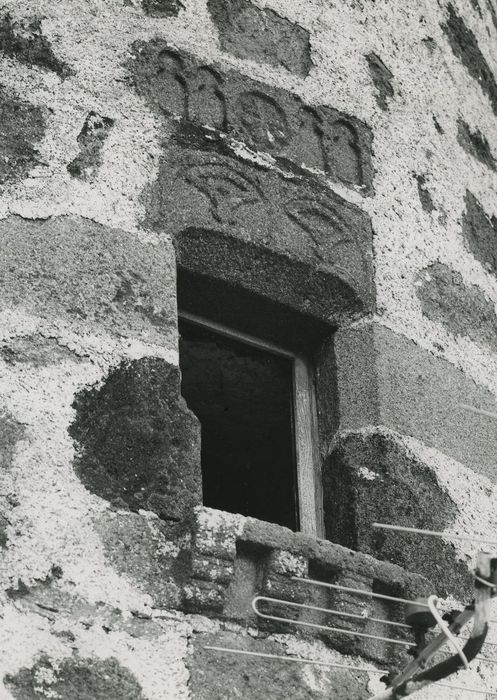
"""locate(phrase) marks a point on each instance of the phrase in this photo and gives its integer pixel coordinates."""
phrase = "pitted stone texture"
(22, 127)
(248, 31)
(75, 679)
(91, 140)
(290, 241)
(145, 551)
(382, 80)
(476, 144)
(463, 309)
(37, 351)
(25, 41)
(424, 194)
(89, 275)
(138, 444)
(371, 478)
(162, 8)
(228, 676)
(465, 46)
(267, 119)
(480, 233)
(386, 379)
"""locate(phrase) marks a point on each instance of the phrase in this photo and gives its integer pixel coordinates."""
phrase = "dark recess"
(243, 398)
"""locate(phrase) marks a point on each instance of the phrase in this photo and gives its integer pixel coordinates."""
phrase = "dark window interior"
(242, 396)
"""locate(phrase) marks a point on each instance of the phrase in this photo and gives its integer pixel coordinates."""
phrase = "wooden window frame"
(308, 466)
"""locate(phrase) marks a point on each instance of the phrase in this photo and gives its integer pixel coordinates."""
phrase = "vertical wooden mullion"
(307, 457)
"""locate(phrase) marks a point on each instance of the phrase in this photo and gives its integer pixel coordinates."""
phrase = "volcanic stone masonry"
(321, 174)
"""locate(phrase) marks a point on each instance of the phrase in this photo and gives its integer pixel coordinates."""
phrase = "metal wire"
(433, 533)
(432, 600)
(479, 411)
(339, 630)
(296, 659)
(358, 591)
(328, 611)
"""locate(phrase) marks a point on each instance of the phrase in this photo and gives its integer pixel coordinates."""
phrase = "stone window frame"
(305, 423)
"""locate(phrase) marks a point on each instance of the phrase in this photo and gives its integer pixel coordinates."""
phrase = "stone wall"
(331, 169)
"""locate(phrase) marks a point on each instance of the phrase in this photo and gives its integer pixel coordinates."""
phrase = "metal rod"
(296, 658)
(339, 630)
(433, 533)
(328, 611)
(479, 411)
(358, 591)
(432, 601)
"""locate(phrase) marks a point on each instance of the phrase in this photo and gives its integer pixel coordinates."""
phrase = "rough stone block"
(25, 41)
(138, 445)
(475, 143)
(267, 119)
(91, 140)
(22, 128)
(480, 233)
(382, 80)
(75, 677)
(465, 46)
(162, 8)
(386, 379)
(462, 309)
(89, 275)
(248, 31)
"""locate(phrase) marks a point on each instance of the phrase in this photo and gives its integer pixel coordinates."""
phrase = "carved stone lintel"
(267, 119)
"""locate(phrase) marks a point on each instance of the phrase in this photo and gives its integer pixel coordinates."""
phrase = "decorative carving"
(343, 153)
(207, 101)
(226, 188)
(263, 121)
(310, 138)
(319, 217)
(173, 95)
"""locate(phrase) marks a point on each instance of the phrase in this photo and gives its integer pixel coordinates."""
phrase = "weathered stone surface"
(424, 194)
(248, 31)
(286, 240)
(162, 8)
(72, 268)
(382, 80)
(475, 143)
(465, 46)
(386, 379)
(35, 350)
(24, 40)
(75, 679)
(228, 676)
(143, 552)
(267, 119)
(91, 140)
(22, 126)
(480, 233)
(370, 478)
(463, 309)
(138, 444)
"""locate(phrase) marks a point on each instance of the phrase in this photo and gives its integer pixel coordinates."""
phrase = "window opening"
(255, 405)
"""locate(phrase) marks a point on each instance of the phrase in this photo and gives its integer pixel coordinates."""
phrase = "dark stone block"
(382, 80)
(89, 275)
(386, 379)
(225, 676)
(162, 8)
(371, 478)
(265, 118)
(475, 144)
(248, 31)
(287, 240)
(91, 140)
(462, 309)
(36, 351)
(138, 444)
(22, 128)
(25, 41)
(11, 432)
(465, 46)
(75, 678)
(480, 233)
(424, 194)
